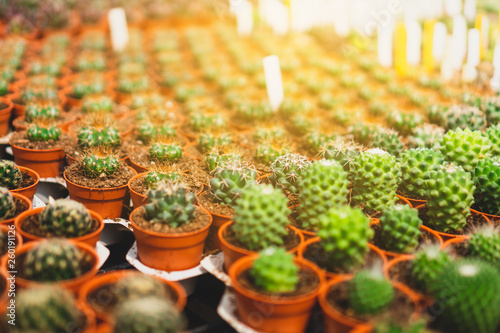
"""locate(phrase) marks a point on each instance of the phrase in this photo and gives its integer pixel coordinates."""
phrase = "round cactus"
(340, 150)
(146, 131)
(274, 271)
(97, 165)
(268, 151)
(464, 116)
(93, 137)
(139, 286)
(388, 140)
(286, 171)
(484, 244)
(491, 108)
(400, 229)
(486, 177)
(7, 204)
(10, 175)
(429, 262)
(464, 147)
(65, 218)
(493, 135)
(369, 292)
(39, 133)
(171, 205)
(271, 133)
(202, 121)
(220, 155)
(260, 217)
(207, 141)
(35, 112)
(426, 136)
(155, 178)
(165, 152)
(404, 123)
(230, 180)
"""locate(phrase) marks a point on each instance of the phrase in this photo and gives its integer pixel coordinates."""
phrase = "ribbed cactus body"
(286, 171)
(7, 204)
(274, 271)
(369, 292)
(165, 152)
(400, 229)
(65, 218)
(39, 133)
(10, 175)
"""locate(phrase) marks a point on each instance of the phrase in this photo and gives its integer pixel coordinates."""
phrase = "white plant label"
(447, 70)
(473, 52)
(413, 43)
(244, 18)
(453, 7)
(439, 41)
(470, 10)
(274, 82)
(459, 42)
(385, 41)
(495, 81)
(118, 28)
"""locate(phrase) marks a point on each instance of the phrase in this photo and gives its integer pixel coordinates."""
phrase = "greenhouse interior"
(279, 166)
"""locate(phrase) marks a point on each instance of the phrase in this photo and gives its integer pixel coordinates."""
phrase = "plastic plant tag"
(439, 41)
(459, 42)
(453, 7)
(244, 17)
(118, 28)
(470, 10)
(428, 41)
(495, 81)
(385, 41)
(274, 82)
(413, 43)
(400, 62)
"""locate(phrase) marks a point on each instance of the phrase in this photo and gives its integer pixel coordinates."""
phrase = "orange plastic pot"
(22, 198)
(490, 217)
(451, 242)
(70, 284)
(170, 251)
(28, 192)
(219, 221)
(107, 202)
(5, 116)
(46, 162)
(232, 252)
(337, 322)
(267, 313)
(111, 278)
(90, 239)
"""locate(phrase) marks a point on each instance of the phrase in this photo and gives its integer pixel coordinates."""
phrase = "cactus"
(491, 108)
(7, 204)
(369, 292)
(269, 133)
(89, 137)
(286, 171)
(225, 154)
(146, 131)
(486, 177)
(269, 150)
(171, 205)
(464, 147)
(139, 286)
(364, 133)
(36, 112)
(207, 141)
(323, 185)
(493, 135)
(416, 165)
(46, 309)
(484, 244)
(449, 198)
(230, 180)
(98, 164)
(97, 104)
(260, 217)
(165, 152)
(470, 289)
(164, 175)
(259, 111)
(10, 175)
(65, 218)
(436, 113)
(428, 263)
(42, 133)
(55, 259)
(340, 150)
(388, 140)
(201, 121)
(464, 116)
(316, 140)
(376, 176)
(274, 271)
(344, 233)
(404, 123)
(426, 136)
(399, 229)
(147, 315)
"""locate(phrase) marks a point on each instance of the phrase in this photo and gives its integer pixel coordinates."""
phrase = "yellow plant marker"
(400, 62)
(482, 24)
(428, 42)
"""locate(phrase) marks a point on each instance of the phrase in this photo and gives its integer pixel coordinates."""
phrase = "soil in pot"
(121, 152)
(20, 139)
(473, 222)
(75, 174)
(141, 158)
(201, 219)
(205, 200)
(32, 226)
(290, 241)
(193, 185)
(26, 180)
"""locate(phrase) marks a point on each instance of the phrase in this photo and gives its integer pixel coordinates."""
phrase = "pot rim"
(23, 198)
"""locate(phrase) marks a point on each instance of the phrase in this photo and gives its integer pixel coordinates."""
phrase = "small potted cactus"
(12, 205)
(99, 181)
(5, 111)
(18, 179)
(275, 280)
(61, 218)
(36, 112)
(170, 231)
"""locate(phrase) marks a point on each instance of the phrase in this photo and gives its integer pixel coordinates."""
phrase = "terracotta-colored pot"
(113, 277)
(5, 116)
(90, 239)
(490, 217)
(303, 248)
(267, 313)
(451, 242)
(213, 236)
(337, 322)
(233, 252)
(46, 162)
(107, 202)
(9, 230)
(71, 284)
(170, 251)
(22, 198)
(20, 126)
(28, 192)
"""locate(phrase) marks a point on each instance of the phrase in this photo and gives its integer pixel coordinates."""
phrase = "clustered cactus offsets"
(99, 163)
(165, 152)
(10, 175)
(102, 136)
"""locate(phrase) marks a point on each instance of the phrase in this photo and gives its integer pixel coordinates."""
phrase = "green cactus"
(171, 205)
(10, 175)
(342, 151)
(202, 121)
(89, 137)
(269, 133)
(46, 309)
(42, 133)
(369, 292)
(404, 123)
(7, 204)
(207, 141)
(470, 290)
(344, 233)
(274, 271)
(97, 104)
(165, 152)
(491, 107)
(484, 244)
(364, 133)
(65, 218)
(376, 176)
(147, 315)
(155, 178)
(388, 140)
(55, 259)
(146, 131)
(323, 185)
(269, 150)
(436, 113)
(139, 286)
(255, 112)
(260, 217)
(220, 155)
(493, 135)
(98, 164)
(399, 229)
(465, 147)
(36, 112)
(464, 116)
(449, 197)
(286, 171)
(486, 177)
(229, 181)
(426, 136)
(428, 263)
(316, 140)
(416, 165)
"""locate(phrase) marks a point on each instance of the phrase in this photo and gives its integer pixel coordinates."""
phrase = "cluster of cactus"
(269, 150)
(43, 133)
(171, 205)
(46, 309)
(55, 259)
(37, 112)
(97, 104)
(138, 286)
(10, 175)
(316, 140)
(449, 195)
(426, 136)
(39, 94)
(344, 233)
(464, 147)
(254, 112)
(260, 217)
(486, 177)
(484, 244)
(364, 133)
(491, 108)
(473, 302)
(209, 140)
(274, 271)
(230, 180)
(165, 152)
(220, 155)
(323, 185)
(99, 164)
(269, 133)
(155, 178)
(404, 123)
(399, 229)
(65, 218)
(146, 131)
(428, 263)
(416, 165)
(341, 150)
(388, 140)
(435, 114)
(464, 116)
(81, 89)
(7, 204)
(98, 137)
(286, 171)
(375, 175)
(493, 135)
(369, 292)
